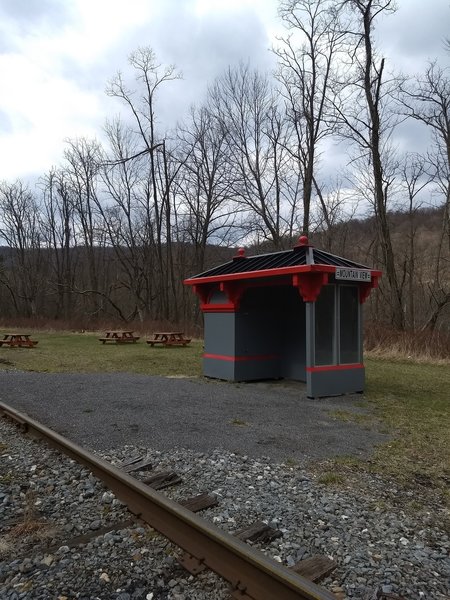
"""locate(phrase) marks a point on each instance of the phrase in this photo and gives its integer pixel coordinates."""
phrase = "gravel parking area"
(102, 411)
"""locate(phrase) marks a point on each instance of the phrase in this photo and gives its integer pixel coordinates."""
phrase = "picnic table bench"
(18, 340)
(169, 338)
(119, 337)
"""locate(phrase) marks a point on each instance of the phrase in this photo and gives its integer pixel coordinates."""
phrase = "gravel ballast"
(46, 500)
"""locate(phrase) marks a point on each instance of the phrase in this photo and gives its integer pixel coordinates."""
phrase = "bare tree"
(204, 188)
(141, 102)
(82, 160)
(427, 100)
(414, 179)
(365, 117)
(58, 230)
(306, 60)
(127, 221)
(246, 108)
(20, 228)
(332, 216)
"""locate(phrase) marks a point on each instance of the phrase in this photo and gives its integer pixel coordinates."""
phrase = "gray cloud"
(205, 48)
(416, 33)
(21, 17)
(5, 123)
(41, 13)
(201, 48)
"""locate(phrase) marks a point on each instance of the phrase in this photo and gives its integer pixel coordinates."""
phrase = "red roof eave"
(270, 273)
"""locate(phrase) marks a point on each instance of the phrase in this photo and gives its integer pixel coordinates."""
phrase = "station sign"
(352, 274)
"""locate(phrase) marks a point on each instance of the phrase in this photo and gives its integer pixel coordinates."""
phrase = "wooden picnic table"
(169, 338)
(18, 340)
(119, 337)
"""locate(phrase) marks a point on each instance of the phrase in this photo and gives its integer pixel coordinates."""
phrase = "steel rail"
(252, 575)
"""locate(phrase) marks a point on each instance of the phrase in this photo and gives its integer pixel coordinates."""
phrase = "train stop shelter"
(295, 314)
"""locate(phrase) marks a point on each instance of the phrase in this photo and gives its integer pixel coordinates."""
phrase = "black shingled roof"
(277, 260)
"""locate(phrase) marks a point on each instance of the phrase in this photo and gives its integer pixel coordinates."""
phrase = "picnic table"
(119, 337)
(168, 338)
(18, 340)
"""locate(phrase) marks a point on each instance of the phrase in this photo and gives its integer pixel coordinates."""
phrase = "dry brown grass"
(30, 529)
(420, 346)
(5, 547)
(27, 528)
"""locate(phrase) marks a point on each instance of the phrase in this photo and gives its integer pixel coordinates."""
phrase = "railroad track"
(251, 574)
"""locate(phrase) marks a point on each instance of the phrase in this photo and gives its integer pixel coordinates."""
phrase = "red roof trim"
(271, 273)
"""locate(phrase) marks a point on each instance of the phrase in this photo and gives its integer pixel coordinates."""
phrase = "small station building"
(295, 314)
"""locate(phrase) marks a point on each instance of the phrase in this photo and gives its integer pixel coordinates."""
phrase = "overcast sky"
(56, 57)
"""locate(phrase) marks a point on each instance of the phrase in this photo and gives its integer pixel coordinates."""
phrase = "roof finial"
(302, 241)
(240, 253)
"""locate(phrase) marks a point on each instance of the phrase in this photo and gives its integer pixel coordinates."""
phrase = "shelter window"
(349, 334)
(325, 326)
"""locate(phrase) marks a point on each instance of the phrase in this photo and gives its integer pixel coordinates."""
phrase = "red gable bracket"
(309, 285)
(366, 287)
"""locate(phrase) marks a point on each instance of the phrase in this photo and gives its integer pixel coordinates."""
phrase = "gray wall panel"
(255, 370)
(219, 369)
(333, 383)
(220, 333)
(292, 328)
(256, 334)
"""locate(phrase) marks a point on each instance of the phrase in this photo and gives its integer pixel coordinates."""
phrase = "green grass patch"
(411, 402)
(331, 478)
(239, 423)
(348, 461)
(83, 353)
(350, 417)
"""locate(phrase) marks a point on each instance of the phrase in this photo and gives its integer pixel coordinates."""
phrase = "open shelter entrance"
(295, 314)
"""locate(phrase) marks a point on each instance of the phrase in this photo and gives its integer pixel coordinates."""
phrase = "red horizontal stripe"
(230, 358)
(335, 368)
(220, 308)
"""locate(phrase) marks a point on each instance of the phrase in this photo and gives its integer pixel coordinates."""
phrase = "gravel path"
(110, 410)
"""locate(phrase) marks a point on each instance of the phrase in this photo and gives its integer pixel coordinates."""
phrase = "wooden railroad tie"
(200, 502)
(162, 480)
(144, 464)
(314, 568)
(258, 532)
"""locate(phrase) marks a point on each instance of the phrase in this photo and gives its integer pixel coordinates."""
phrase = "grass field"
(83, 353)
(409, 400)
(413, 401)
